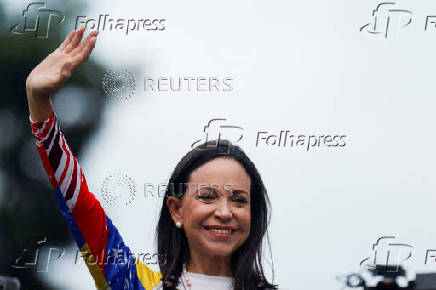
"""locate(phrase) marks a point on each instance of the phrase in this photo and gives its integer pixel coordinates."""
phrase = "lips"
(221, 230)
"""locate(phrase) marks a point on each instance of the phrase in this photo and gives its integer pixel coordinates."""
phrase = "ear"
(175, 207)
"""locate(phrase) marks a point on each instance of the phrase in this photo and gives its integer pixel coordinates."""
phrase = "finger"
(67, 40)
(84, 43)
(84, 53)
(76, 40)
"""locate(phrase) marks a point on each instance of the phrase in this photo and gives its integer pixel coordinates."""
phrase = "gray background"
(301, 66)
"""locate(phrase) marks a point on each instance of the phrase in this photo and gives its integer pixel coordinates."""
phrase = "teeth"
(221, 231)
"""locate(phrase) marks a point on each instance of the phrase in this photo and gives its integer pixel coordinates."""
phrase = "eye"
(240, 200)
(206, 195)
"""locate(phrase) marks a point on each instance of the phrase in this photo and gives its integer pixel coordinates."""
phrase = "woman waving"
(214, 215)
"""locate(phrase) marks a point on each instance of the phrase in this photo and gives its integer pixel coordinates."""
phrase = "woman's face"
(217, 196)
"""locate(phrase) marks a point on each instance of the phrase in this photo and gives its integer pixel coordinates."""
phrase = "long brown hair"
(246, 261)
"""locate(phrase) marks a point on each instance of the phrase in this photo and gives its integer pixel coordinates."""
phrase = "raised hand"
(52, 73)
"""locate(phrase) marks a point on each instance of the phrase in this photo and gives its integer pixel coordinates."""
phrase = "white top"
(202, 281)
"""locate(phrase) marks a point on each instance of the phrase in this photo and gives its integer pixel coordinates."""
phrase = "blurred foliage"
(28, 206)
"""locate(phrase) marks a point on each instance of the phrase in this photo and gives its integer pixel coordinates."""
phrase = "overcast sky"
(301, 66)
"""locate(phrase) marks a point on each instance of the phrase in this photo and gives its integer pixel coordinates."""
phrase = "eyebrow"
(234, 191)
(239, 191)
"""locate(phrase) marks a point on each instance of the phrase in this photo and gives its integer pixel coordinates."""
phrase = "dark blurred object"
(9, 283)
(28, 205)
(391, 277)
(426, 281)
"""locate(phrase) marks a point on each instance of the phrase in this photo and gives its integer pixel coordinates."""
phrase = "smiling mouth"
(220, 231)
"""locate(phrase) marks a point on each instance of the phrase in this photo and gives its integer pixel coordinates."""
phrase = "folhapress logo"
(105, 22)
(37, 20)
(388, 20)
(387, 253)
(216, 130)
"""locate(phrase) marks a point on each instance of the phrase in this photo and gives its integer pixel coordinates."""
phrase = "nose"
(223, 211)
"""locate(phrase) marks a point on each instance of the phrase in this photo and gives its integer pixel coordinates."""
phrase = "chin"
(219, 250)
(220, 253)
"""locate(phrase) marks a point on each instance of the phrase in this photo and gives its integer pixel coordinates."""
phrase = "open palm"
(56, 68)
